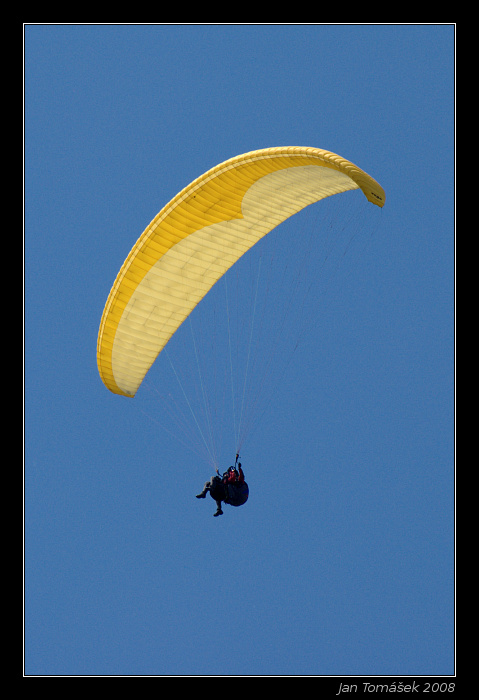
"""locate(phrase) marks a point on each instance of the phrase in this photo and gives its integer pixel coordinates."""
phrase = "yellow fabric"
(197, 237)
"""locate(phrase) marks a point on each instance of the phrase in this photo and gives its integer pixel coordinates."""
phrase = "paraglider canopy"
(197, 237)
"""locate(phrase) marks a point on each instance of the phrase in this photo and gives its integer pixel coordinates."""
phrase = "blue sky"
(342, 561)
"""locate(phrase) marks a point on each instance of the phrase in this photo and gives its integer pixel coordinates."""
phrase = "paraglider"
(192, 242)
(231, 488)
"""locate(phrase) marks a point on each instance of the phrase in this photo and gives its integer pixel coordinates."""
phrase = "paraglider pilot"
(230, 488)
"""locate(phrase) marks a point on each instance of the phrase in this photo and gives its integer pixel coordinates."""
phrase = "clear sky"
(342, 561)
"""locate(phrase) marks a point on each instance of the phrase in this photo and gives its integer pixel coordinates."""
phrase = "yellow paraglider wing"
(197, 237)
